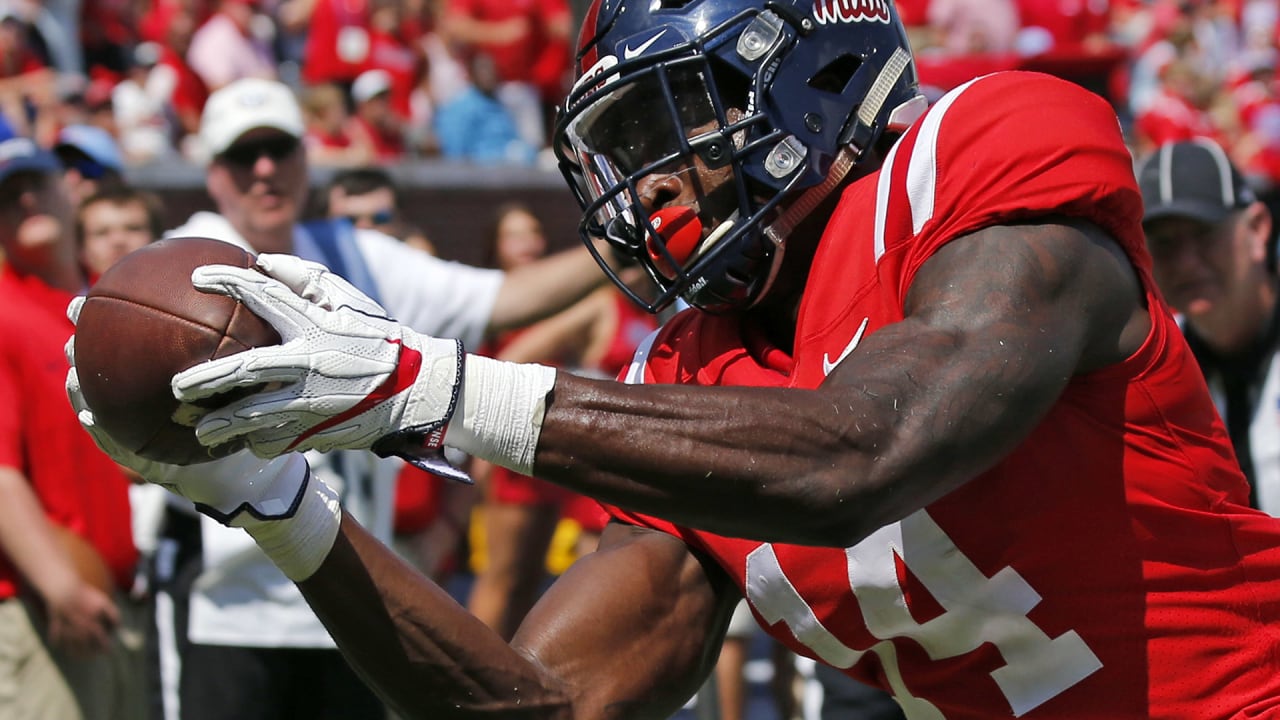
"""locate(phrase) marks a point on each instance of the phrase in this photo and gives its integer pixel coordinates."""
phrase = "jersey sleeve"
(1006, 148)
(695, 348)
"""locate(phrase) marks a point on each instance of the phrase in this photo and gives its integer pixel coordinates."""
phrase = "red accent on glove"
(401, 379)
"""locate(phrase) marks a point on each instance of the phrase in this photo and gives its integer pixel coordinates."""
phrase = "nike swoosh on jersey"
(629, 52)
(828, 365)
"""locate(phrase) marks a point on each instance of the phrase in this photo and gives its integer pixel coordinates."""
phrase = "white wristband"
(299, 543)
(501, 412)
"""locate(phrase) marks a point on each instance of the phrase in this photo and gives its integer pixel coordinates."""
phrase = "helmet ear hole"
(731, 84)
(836, 75)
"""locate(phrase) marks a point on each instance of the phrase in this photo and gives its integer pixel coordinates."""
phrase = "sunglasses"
(381, 217)
(247, 153)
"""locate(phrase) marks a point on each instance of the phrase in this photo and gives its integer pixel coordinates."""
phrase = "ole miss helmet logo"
(827, 12)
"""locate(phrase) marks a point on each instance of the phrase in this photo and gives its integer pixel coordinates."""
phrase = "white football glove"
(239, 490)
(349, 377)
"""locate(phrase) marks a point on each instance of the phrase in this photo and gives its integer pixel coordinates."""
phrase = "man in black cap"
(1213, 251)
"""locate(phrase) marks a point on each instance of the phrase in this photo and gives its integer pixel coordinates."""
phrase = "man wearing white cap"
(374, 115)
(256, 649)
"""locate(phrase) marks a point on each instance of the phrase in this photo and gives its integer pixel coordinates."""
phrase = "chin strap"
(851, 151)
(780, 229)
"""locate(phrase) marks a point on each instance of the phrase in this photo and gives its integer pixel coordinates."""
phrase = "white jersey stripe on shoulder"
(922, 172)
(882, 197)
(635, 373)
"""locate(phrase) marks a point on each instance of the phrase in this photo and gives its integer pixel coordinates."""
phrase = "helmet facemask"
(673, 119)
(733, 99)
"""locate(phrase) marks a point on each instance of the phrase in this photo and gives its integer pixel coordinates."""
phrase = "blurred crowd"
(477, 80)
(1173, 69)
(380, 80)
(107, 85)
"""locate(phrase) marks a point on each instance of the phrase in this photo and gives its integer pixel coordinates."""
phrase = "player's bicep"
(997, 323)
(1061, 290)
(633, 628)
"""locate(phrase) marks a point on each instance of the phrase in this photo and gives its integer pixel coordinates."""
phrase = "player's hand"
(224, 489)
(293, 518)
(232, 490)
(345, 376)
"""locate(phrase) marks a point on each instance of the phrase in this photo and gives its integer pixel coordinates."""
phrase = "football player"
(928, 415)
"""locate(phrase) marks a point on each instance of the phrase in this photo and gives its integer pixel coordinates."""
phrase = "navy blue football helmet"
(786, 95)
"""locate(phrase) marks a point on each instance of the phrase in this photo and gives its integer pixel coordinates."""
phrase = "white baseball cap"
(369, 84)
(245, 105)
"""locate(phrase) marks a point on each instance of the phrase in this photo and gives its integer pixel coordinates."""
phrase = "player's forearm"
(743, 462)
(416, 647)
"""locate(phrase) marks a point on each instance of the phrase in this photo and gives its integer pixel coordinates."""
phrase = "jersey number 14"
(978, 610)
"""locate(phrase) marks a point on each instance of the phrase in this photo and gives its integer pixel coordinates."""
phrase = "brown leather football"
(142, 323)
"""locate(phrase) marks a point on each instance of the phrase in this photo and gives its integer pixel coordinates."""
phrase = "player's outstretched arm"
(628, 632)
(997, 323)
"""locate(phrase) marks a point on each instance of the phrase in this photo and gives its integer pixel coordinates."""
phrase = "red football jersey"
(1109, 567)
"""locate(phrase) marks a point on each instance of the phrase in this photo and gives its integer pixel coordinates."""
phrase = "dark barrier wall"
(454, 204)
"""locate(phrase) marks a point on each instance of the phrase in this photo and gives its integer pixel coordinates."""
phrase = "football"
(141, 323)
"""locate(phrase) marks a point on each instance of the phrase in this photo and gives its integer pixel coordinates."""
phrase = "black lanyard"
(1242, 376)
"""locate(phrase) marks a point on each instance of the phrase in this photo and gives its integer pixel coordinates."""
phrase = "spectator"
(1180, 35)
(112, 223)
(28, 86)
(444, 80)
(91, 160)
(66, 552)
(1067, 27)
(294, 19)
(248, 633)
(1179, 111)
(51, 28)
(107, 31)
(1213, 246)
(374, 116)
(1255, 98)
(337, 44)
(330, 137)
(143, 107)
(527, 44)
(972, 27)
(369, 198)
(227, 48)
(476, 127)
(183, 91)
(391, 54)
